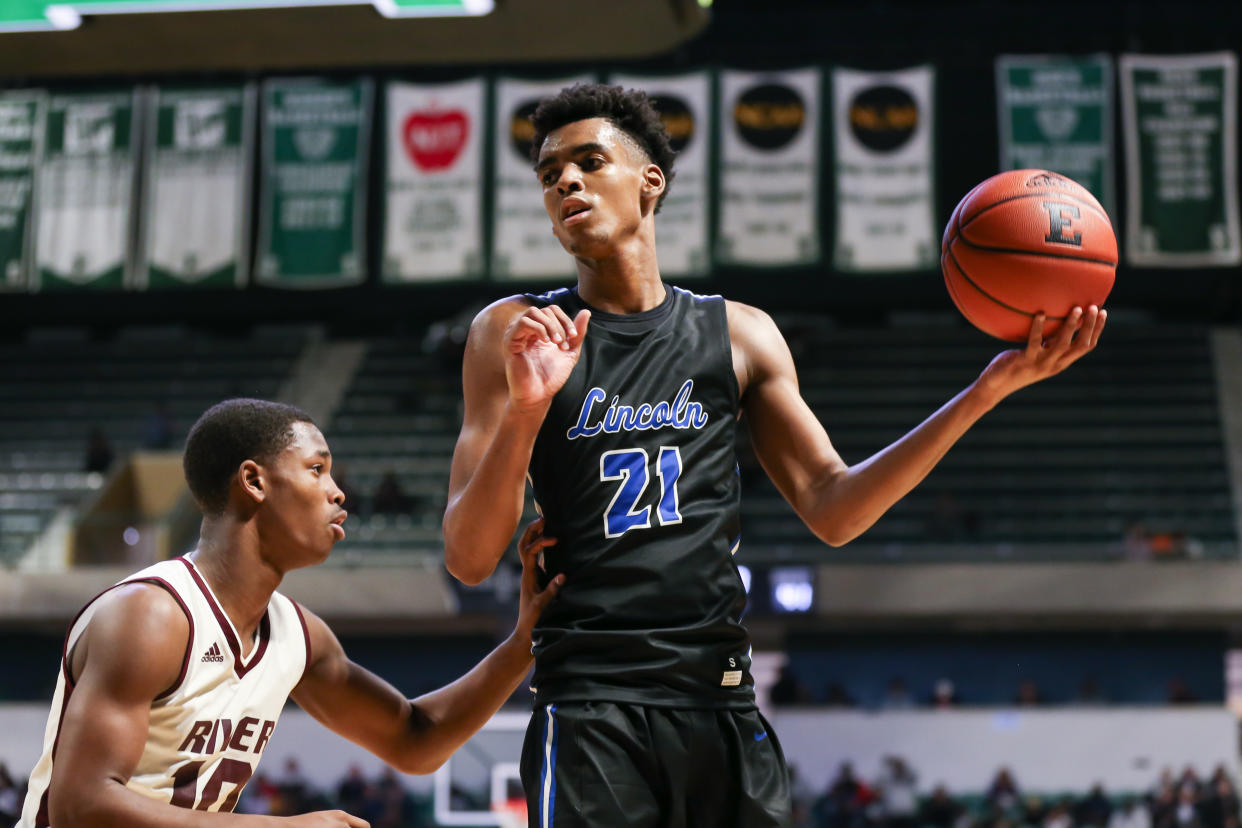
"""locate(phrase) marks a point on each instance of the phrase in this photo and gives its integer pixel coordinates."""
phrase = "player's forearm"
(480, 518)
(454, 713)
(111, 805)
(844, 507)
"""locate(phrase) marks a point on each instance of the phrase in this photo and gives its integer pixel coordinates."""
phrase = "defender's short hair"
(629, 111)
(228, 434)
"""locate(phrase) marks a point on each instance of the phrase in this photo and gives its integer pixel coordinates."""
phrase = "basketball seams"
(1041, 253)
(1042, 194)
(1003, 304)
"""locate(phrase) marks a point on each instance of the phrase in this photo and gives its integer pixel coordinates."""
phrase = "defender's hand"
(533, 599)
(541, 348)
(1017, 368)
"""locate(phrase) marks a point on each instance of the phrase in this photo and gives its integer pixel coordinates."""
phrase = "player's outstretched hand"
(542, 346)
(533, 599)
(328, 819)
(1041, 358)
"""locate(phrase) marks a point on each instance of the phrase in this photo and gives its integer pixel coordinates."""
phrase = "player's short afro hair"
(630, 110)
(228, 434)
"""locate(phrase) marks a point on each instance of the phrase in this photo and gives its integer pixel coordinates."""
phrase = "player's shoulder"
(151, 608)
(747, 322)
(138, 630)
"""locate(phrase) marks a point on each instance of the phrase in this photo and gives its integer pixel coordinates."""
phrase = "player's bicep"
(132, 651)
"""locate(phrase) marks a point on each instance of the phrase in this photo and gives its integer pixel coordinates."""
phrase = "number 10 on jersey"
(630, 466)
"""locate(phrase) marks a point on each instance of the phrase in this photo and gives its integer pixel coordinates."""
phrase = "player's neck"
(625, 282)
(229, 557)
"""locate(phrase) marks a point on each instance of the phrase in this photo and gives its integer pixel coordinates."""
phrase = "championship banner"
(885, 128)
(85, 191)
(433, 223)
(21, 139)
(1181, 132)
(523, 246)
(1056, 114)
(313, 178)
(197, 187)
(769, 167)
(684, 104)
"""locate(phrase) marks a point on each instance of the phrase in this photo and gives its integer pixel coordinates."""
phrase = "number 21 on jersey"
(630, 467)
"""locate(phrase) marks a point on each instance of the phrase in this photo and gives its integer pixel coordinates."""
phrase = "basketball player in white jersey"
(172, 681)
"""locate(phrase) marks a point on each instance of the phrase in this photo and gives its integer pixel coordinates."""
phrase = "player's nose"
(569, 182)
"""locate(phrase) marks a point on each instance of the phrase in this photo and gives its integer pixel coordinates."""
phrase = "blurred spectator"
(1186, 812)
(1089, 693)
(1003, 792)
(788, 690)
(801, 797)
(10, 797)
(99, 453)
(1219, 806)
(351, 793)
(897, 695)
(1093, 810)
(897, 789)
(1034, 810)
(388, 804)
(1028, 694)
(261, 796)
(1059, 816)
(940, 810)
(835, 695)
(845, 805)
(944, 694)
(1136, 542)
(1180, 693)
(1130, 814)
(157, 433)
(389, 499)
(295, 791)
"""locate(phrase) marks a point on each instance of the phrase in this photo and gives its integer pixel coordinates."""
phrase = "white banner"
(769, 167)
(523, 246)
(22, 116)
(684, 103)
(433, 226)
(197, 184)
(86, 189)
(884, 125)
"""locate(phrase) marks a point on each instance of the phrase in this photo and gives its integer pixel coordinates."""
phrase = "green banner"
(85, 191)
(1180, 116)
(312, 195)
(1056, 114)
(197, 187)
(21, 128)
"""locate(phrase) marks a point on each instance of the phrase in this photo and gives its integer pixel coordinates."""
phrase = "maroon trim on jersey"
(305, 635)
(265, 627)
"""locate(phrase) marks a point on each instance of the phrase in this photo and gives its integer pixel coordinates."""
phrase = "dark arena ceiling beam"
(329, 37)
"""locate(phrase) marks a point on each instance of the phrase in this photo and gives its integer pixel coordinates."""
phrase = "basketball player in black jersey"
(645, 709)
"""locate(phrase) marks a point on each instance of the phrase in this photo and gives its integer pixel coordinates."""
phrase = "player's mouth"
(574, 210)
(338, 525)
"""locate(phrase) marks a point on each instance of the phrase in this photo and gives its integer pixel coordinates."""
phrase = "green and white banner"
(884, 124)
(197, 184)
(769, 167)
(1056, 114)
(313, 183)
(1181, 133)
(523, 246)
(684, 103)
(83, 230)
(21, 144)
(433, 225)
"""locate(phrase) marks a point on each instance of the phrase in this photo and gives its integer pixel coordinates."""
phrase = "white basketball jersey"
(206, 732)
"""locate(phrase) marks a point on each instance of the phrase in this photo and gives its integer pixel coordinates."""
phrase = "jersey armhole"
(305, 636)
(727, 350)
(189, 641)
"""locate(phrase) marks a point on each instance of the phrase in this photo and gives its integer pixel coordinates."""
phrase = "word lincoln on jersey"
(680, 413)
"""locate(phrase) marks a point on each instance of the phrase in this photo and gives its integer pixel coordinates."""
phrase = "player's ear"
(250, 480)
(653, 183)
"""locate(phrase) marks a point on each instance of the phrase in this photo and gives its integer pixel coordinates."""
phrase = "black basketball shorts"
(616, 765)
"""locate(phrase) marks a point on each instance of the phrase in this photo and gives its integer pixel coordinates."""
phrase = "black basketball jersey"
(635, 471)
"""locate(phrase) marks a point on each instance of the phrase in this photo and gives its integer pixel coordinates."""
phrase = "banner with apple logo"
(197, 174)
(433, 224)
(885, 183)
(523, 246)
(314, 150)
(684, 103)
(769, 168)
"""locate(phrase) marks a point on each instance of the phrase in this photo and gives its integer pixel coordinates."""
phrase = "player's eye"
(548, 178)
(317, 468)
(594, 162)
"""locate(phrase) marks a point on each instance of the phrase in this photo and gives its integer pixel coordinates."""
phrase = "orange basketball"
(1027, 241)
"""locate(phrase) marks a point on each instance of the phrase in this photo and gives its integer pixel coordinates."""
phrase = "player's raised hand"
(533, 599)
(328, 819)
(542, 346)
(1041, 358)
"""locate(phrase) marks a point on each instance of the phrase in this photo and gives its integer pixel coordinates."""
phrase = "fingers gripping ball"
(1027, 241)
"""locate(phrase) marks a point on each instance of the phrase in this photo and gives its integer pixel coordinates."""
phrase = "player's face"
(593, 178)
(302, 507)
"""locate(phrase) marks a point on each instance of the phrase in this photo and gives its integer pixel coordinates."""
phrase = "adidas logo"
(213, 654)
